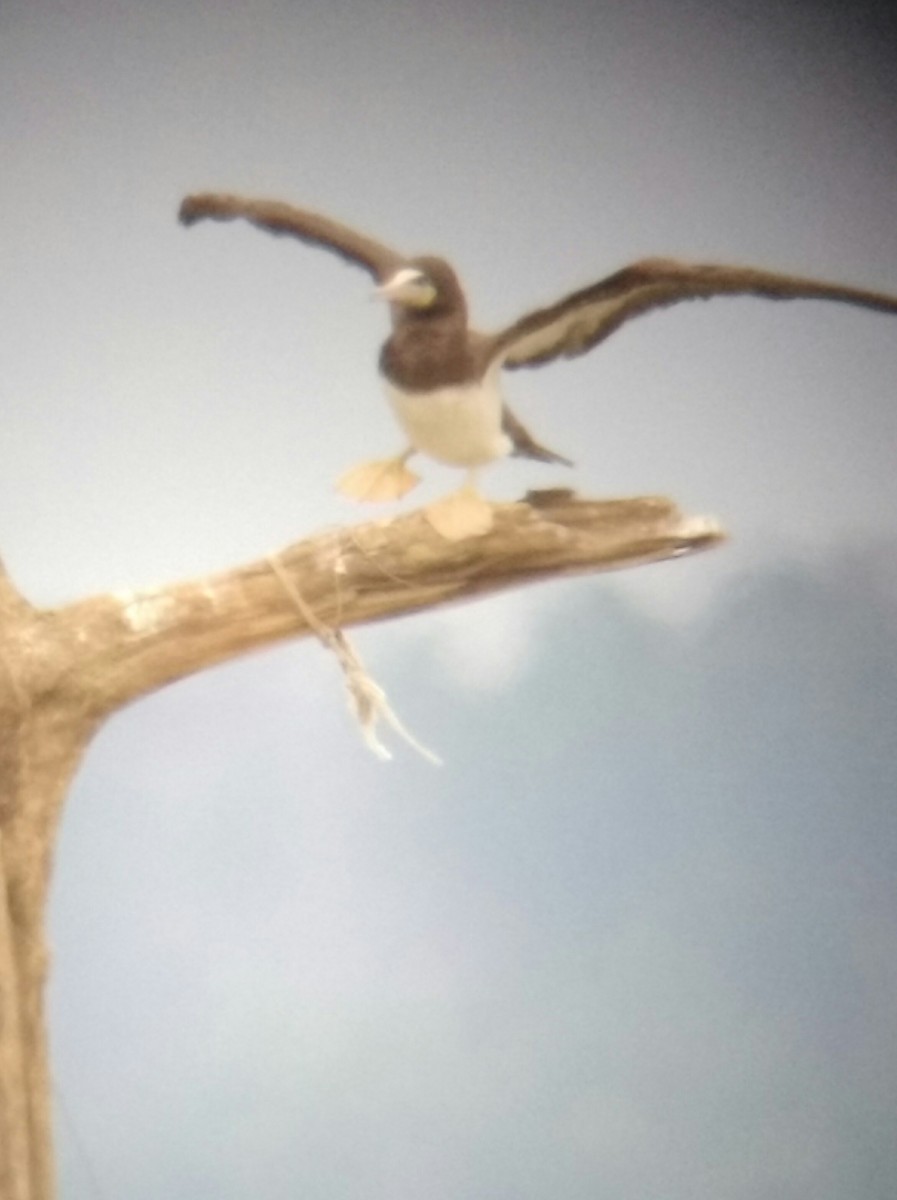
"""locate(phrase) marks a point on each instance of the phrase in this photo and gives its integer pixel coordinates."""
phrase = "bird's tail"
(541, 454)
(524, 445)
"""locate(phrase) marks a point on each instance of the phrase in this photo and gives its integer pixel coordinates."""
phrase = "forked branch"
(62, 671)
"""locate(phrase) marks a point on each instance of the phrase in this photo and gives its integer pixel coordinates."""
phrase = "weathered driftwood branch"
(128, 644)
(63, 671)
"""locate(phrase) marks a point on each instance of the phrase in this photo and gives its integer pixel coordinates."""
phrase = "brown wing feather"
(580, 321)
(310, 227)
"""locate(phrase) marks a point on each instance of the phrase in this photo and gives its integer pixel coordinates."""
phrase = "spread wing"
(309, 227)
(580, 321)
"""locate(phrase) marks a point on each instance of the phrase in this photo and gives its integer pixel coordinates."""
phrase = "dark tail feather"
(525, 446)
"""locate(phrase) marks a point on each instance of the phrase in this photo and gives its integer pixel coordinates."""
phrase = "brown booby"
(442, 378)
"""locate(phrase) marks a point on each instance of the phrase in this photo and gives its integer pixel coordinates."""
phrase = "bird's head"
(426, 285)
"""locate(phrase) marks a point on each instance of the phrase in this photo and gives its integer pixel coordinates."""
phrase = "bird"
(442, 378)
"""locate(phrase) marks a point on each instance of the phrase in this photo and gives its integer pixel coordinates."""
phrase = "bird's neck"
(423, 354)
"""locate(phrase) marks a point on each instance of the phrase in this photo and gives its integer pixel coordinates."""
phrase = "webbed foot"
(462, 514)
(378, 480)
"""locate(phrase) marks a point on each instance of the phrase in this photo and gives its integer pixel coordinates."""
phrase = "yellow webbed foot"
(382, 479)
(461, 515)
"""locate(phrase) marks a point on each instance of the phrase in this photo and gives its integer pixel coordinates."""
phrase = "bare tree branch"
(126, 645)
(63, 671)
(14, 1125)
(11, 600)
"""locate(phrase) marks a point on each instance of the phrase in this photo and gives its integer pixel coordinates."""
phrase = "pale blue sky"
(637, 936)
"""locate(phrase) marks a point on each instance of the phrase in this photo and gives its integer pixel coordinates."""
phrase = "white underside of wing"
(458, 425)
(566, 335)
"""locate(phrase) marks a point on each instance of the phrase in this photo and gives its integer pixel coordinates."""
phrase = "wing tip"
(216, 205)
(191, 210)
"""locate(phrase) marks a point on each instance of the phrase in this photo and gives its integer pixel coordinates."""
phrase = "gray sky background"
(637, 937)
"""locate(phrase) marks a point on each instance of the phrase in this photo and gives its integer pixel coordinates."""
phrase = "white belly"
(459, 425)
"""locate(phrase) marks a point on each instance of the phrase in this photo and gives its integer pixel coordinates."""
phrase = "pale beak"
(401, 288)
(393, 289)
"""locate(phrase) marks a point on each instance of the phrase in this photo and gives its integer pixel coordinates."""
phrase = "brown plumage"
(316, 230)
(581, 320)
(432, 346)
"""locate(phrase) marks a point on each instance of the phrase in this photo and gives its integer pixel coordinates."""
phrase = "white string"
(368, 701)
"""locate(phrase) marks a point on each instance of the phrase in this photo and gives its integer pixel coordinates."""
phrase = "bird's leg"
(462, 514)
(380, 479)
